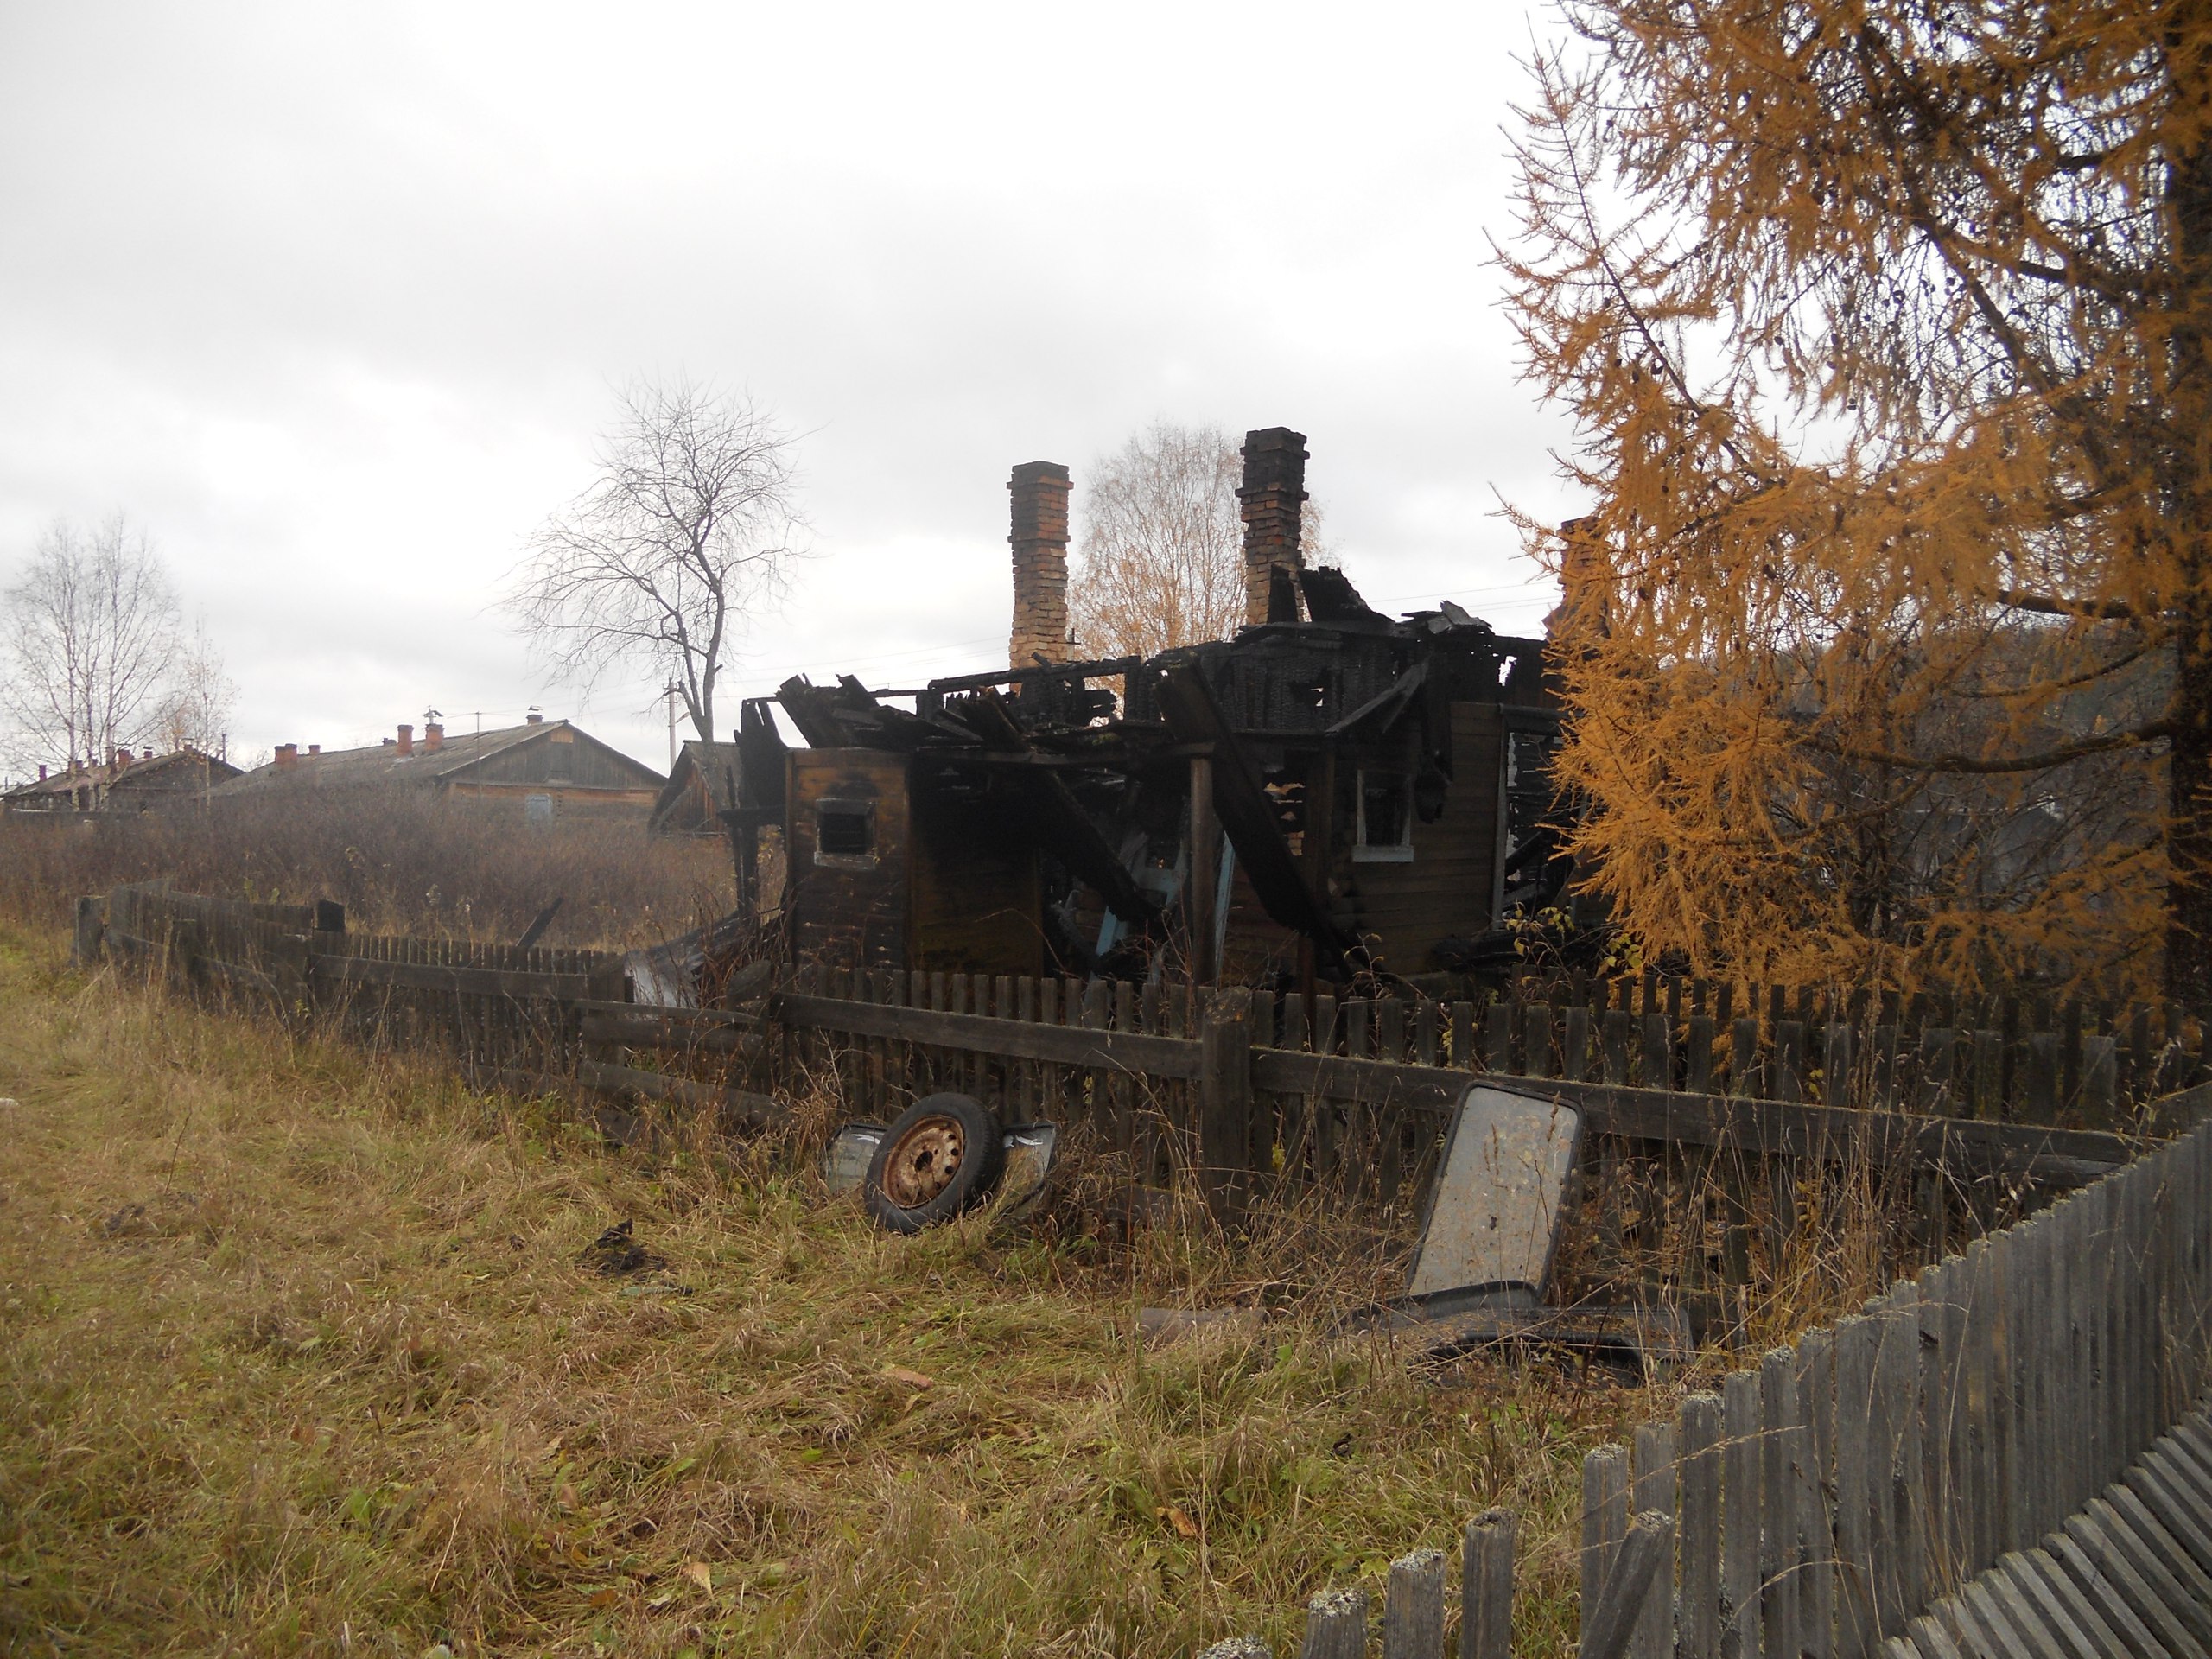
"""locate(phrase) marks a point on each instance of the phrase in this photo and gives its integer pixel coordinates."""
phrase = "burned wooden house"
(1331, 793)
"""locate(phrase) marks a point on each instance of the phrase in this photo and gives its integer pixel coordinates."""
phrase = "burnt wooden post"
(1225, 1101)
(1204, 873)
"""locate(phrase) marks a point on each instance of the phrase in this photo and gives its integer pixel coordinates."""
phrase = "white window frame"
(1398, 852)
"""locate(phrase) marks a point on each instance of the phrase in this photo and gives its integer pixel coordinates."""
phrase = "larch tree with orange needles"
(1887, 638)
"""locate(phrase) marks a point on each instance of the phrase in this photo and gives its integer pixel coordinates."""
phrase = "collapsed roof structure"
(1333, 791)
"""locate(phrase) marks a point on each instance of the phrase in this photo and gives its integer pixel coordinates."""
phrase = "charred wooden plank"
(1284, 891)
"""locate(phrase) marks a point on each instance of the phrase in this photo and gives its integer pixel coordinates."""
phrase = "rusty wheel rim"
(924, 1161)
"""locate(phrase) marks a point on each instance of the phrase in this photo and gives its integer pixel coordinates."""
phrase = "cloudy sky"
(330, 301)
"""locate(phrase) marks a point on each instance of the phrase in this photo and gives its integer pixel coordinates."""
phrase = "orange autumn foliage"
(1887, 640)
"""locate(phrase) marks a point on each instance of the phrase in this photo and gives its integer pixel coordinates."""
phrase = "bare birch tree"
(1161, 562)
(690, 527)
(195, 711)
(91, 637)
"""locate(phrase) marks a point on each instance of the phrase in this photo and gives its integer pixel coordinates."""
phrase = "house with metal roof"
(541, 770)
(127, 783)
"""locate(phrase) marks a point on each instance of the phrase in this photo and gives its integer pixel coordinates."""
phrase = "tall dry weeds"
(399, 863)
(297, 1354)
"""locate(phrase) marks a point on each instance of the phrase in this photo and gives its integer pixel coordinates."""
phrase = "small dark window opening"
(1385, 818)
(842, 831)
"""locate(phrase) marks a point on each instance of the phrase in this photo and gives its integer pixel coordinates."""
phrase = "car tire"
(943, 1155)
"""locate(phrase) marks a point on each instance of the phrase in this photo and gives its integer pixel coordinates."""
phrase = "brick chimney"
(533, 718)
(41, 774)
(407, 740)
(1273, 494)
(287, 756)
(433, 738)
(314, 749)
(1040, 540)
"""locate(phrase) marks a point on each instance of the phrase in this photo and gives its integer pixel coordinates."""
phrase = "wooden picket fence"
(1689, 1196)
(536, 1018)
(2023, 1058)
(1822, 1502)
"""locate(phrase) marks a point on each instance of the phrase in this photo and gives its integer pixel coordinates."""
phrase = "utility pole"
(671, 692)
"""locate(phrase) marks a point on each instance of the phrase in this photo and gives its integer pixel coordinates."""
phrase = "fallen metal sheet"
(1495, 1210)
(1029, 1151)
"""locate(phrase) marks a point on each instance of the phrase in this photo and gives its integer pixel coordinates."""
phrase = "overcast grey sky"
(330, 300)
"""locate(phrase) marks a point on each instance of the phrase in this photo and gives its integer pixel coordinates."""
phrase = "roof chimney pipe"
(434, 737)
(1040, 540)
(407, 740)
(287, 756)
(1271, 501)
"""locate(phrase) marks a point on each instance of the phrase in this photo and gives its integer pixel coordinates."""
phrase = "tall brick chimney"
(1040, 540)
(407, 740)
(433, 738)
(1273, 494)
(287, 756)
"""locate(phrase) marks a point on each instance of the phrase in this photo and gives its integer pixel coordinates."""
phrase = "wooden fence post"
(1780, 1462)
(85, 948)
(1653, 1493)
(1225, 1101)
(1605, 1521)
(1487, 1587)
(1698, 1494)
(1412, 1616)
(1335, 1625)
(1635, 1576)
(1743, 1625)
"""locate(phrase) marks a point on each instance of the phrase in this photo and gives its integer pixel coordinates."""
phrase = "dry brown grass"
(341, 1385)
(398, 863)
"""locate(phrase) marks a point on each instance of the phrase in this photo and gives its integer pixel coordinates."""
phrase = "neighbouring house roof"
(512, 756)
(179, 769)
(703, 776)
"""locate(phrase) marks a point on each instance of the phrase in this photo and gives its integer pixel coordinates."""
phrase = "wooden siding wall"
(1446, 890)
(591, 764)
